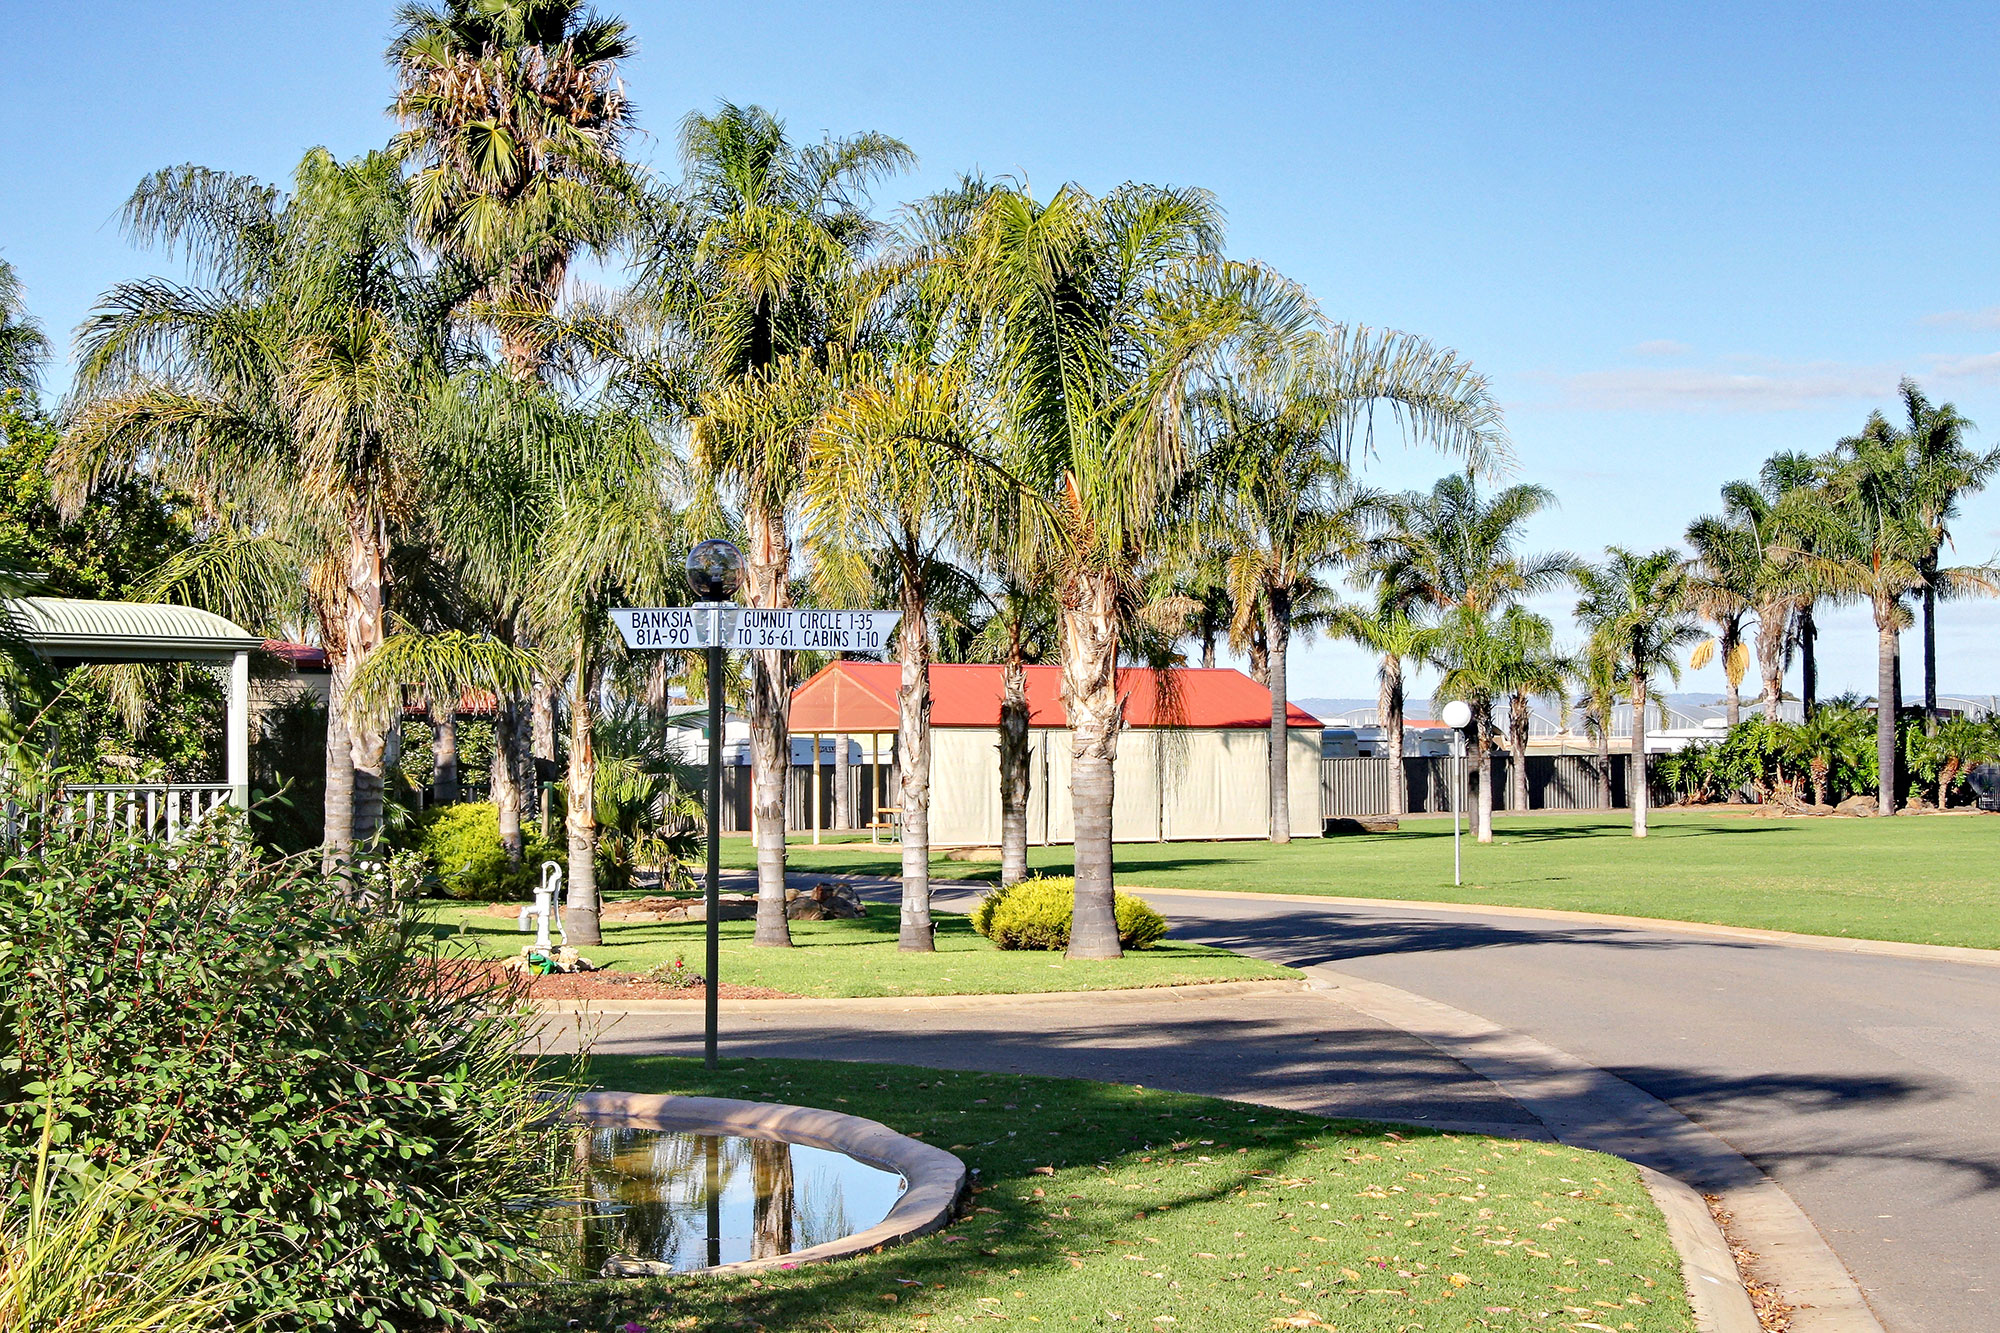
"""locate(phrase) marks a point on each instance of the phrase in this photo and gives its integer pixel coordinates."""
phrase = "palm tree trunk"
(1389, 710)
(1773, 630)
(580, 908)
(444, 752)
(1517, 750)
(1732, 703)
(361, 631)
(1090, 698)
(1208, 632)
(1482, 775)
(505, 781)
(1604, 801)
(542, 720)
(1014, 772)
(1808, 661)
(769, 568)
(338, 839)
(1886, 641)
(773, 1202)
(1637, 779)
(1278, 635)
(915, 933)
(1930, 643)
(1260, 654)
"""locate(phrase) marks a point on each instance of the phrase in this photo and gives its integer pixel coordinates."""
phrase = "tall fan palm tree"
(1533, 669)
(1288, 506)
(1637, 609)
(514, 120)
(292, 380)
(1943, 469)
(1107, 312)
(1728, 564)
(23, 348)
(747, 283)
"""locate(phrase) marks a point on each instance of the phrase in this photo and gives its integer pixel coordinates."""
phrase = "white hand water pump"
(545, 905)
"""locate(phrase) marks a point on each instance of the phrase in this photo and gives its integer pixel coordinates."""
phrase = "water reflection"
(694, 1200)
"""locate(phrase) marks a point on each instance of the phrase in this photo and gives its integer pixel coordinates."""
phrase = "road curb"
(1192, 993)
(1936, 953)
(936, 1179)
(1587, 1107)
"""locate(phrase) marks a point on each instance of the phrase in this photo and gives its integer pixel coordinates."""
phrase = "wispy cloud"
(1989, 318)
(1662, 347)
(1757, 384)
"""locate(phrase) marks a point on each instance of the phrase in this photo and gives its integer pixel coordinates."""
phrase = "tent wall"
(1181, 784)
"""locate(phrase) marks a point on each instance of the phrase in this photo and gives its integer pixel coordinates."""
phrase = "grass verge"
(844, 959)
(1103, 1206)
(1920, 879)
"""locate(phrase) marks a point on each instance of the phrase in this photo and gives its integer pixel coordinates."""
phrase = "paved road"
(1869, 1088)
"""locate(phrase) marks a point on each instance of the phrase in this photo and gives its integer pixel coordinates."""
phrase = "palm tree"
(1532, 669)
(1474, 660)
(888, 476)
(1287, 505)
(514, 119)
(1871, 531)
(747, 279)
(1453, 550)
(1782, 602)
(1388, 628)
(23, 348)
(1596, 673)
(293, 381)
(1723, 581)
(1944, 750)
(1637, 609)
(615, 538)
(1943, 469)
(1106, 313)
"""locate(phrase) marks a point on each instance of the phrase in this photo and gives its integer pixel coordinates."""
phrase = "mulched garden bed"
(610, 985)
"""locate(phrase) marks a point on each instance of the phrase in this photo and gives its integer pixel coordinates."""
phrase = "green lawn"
(1101, 1206)
(856, 958)
(1924, 879)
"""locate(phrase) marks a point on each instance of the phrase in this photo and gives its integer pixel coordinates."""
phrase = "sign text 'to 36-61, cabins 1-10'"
(747, 628)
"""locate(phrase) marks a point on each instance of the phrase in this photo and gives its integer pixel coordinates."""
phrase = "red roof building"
(1193, 759)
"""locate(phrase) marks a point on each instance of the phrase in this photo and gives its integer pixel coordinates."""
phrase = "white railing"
(149, 809)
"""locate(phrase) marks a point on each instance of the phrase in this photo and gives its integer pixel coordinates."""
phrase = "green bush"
(325, 1093)
(1035, 914)
(461, 844)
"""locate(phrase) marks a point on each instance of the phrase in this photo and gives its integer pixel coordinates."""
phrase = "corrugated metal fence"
(1351, 787)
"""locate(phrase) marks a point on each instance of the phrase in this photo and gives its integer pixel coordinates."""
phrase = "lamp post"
(1457, 714)
(714, 568)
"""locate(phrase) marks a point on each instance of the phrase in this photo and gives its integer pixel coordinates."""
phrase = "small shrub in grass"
(1035, 914)
(324, 1093)
(462, 844)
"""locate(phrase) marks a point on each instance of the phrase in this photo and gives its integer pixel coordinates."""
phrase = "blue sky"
(1677, 239)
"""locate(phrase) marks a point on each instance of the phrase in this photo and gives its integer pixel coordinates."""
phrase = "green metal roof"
(78, 630)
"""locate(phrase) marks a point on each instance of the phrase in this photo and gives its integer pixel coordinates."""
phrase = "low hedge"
(1035, 914)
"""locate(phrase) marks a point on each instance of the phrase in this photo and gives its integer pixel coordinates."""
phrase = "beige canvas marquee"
(1191, 765)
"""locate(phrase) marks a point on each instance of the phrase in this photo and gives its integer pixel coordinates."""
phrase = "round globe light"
(714, 569)
(1457, 714)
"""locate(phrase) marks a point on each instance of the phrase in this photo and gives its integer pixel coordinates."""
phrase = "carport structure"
(68, 631)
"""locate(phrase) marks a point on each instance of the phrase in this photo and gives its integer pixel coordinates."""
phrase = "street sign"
(746, 628)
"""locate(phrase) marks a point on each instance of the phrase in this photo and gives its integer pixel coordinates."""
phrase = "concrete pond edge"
(935, 1179)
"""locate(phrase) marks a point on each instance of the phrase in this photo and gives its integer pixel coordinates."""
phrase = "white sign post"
(750, 628)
